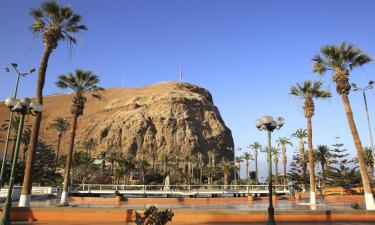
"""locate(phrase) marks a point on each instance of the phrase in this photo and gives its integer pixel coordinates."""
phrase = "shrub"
(152, 216)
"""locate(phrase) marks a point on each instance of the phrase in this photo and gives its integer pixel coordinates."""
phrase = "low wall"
(187, 217)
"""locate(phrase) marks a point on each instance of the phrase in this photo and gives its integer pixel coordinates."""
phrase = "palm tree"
(283, 141)
(89, 145)
(200, 165)
(226, 168)
(238, 160)
(103, 155)
(308, 91)
(341, 60)
(301, 134)
(322, 156)
(212, 157)
(210, 172)
(256, 146)
(81, 82)
(369, 159)
(25, 142)
(247, 157)
(61, 125)
(276, 153)
(55, 23)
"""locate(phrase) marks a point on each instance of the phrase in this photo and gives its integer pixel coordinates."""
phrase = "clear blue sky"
(246, 53)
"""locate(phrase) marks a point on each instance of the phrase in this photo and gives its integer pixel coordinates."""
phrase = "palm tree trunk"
(370, 205)
(247, 169)
(64, 195)
(58, 145)
(303, 163)
(27, 182)
(276, 172)
(284, 164)
(311, 161)
(256, 169)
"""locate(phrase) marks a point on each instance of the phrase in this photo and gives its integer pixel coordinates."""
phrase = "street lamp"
(18, 74)
(370, 85)
(267, 123)
(22, 106)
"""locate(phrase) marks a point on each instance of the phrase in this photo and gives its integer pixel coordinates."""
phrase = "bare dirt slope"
(162, 118)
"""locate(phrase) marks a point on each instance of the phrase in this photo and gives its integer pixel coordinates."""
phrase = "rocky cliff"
(164, 117)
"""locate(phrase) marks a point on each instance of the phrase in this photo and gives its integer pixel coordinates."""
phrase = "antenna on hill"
(123, 81)
(180, 73)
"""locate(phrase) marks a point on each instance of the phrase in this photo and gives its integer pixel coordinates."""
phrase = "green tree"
(284, 141)
(341, 59)
(81, 82)
(247, 157)
(369, 159)
(276, 154)
(226, 167)
(55, 23)
(323, 156)
(61, 125)
(301, 134)
(256, 146)
(308, 91)
(238, 160)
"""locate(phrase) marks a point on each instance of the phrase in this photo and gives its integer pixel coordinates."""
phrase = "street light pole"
(22, 107)
(267, 123)
(5, 152)
(369, 86)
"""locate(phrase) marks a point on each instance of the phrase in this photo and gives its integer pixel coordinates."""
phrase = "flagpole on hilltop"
(180, 73)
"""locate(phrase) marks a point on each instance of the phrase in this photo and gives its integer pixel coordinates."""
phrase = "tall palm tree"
(369, 159)
(301, 134)
(212, 157)
(81, 82)
(25, 142)
(210, 172)
(247, 157)
(88, 146)
(341, 59)
(284, 141)
(238, 160)
(256, 146)
(103, 155)
(308, 91)
(200, 165)
(55, 23)
(276, 153)
(61, 125)
(226, 168)
(322, 156)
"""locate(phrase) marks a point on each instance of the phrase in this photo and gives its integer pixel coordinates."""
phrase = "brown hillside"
(162, 117)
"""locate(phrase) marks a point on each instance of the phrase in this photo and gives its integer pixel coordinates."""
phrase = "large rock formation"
(164, 117)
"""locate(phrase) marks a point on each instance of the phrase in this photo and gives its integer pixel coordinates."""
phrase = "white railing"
(92, 188)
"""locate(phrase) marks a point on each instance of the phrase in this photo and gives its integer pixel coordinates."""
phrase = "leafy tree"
(276, 154)
(301, 134)
(339, 172)
(308, 91)
(247, 157)
(323, 157)
(341, 59)
(81, 82)
(44, 167)
(226, 168)
(61, 125)
(256, 146)
(55, 23)
(284, 141)
(369, 159)
(238, 160)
